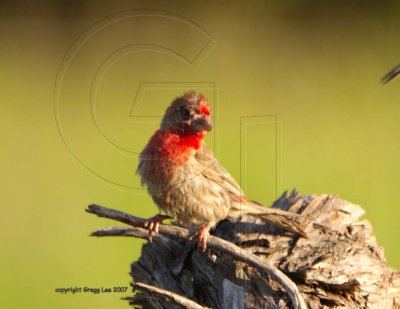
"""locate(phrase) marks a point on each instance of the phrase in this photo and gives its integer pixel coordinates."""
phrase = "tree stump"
(339, 264)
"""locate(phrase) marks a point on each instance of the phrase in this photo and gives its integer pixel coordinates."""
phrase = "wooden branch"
(339, 265)
(169, 296)
(121, 231)
(213, 242)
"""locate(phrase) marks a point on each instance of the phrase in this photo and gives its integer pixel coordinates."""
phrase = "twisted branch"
(169, 296)
(213, 242)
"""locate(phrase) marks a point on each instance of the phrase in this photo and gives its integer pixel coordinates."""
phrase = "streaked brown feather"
(215, 172)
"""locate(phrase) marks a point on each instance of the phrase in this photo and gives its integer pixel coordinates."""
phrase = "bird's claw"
(153, 225)
(202, 235)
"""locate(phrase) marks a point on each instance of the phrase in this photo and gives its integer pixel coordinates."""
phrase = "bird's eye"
(185, 113)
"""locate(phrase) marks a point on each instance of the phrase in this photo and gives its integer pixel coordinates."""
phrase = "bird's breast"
(184, 193)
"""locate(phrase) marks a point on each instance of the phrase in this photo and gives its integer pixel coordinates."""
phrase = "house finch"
(187, 182)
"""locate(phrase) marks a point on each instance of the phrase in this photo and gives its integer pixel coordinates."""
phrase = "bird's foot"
(202, 234)
(153, 224)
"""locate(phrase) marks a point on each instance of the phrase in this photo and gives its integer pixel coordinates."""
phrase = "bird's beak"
(202, 123)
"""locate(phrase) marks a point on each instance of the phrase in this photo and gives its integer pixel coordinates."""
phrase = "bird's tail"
(280, 218)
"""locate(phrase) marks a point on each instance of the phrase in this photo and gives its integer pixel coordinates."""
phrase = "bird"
(186, 181)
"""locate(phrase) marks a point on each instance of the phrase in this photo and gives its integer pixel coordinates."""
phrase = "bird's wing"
(214, 171)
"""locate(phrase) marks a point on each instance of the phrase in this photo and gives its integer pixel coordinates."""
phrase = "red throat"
(193, 140)
(173, 146)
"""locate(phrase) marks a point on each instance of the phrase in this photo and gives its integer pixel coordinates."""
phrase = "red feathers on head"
(203, 108)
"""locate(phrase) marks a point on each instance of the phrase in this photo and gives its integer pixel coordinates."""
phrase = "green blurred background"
(297, 103)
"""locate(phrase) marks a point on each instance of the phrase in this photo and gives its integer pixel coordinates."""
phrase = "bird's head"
(188, 114)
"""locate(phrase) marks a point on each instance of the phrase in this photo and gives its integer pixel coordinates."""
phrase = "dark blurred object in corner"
(392, 74)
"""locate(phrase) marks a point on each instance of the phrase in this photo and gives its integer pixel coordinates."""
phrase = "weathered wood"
(339, 265)
(233, 295)
(214, 242)
(168, 296)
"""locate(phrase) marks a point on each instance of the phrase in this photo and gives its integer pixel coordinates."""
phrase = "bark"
(249, 264)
